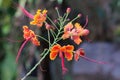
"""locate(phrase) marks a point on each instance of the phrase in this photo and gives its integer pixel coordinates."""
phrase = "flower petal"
(65, 35)
(78, 26)
(76, 57)
(55, 48)
(77, 39)
(68, 27)
(53, 55)
(68, 55)
(39, 18)
(69, 48)
(35, 41)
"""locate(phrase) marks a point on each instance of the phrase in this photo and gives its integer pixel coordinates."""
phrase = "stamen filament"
(22, 46)
(64, 69)
(86, 22)
(92, 60)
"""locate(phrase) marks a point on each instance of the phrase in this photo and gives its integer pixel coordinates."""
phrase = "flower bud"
(79, 15)
(56, 7)
(68, 10)
(48, 27)
(85, 32)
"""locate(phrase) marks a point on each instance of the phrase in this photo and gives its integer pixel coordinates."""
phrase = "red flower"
(80, 53)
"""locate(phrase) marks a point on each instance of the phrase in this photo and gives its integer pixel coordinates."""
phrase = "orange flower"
(68, 52)
(54, 51)
(30, 34)
(67, 30)
(65, 51)
(74, 32)
(39, 18)
(81, 31)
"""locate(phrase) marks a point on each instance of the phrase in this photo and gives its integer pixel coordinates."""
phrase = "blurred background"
(104, 44)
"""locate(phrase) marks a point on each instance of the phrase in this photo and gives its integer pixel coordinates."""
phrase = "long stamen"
(25, 12)
(86, 22)
(64, 69)
(10, 40)
(92, 60)
(22, 46)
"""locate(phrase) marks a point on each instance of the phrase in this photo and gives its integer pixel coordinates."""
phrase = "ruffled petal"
(68, 27)
(69, 48)
(55, 48)
(77, 39)
(68, 55)
(53, 55)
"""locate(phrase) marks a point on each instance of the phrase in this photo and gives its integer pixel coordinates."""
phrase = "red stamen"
(64, 69)
(25, 12)
(10, 40)
(86, 22)
(92, 60)
(42, 69)
(22, 46)
(89, 40)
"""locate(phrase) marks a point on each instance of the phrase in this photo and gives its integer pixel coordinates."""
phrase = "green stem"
(35, 66)
(42, 38)
(43, 52)
(74, 19)
(49, 38)
(58, 12)
(53, 33)
(52, 22)
(65, 18)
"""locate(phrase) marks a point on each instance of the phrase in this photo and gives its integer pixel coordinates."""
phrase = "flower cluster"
(74, 32)
(64, 31)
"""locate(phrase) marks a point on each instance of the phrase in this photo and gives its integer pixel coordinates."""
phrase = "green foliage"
(8, 68)
(115, 5)
(6, 25)
(60, 1)
(117, 31)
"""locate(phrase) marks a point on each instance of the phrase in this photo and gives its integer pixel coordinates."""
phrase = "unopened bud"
(68, 10)
(85, 32)
(56, 7)
(79, 15)
(48, 27)
(55, 21)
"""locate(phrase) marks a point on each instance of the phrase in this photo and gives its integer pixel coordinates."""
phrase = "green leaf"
(60, 1)
(5, 29)
(8, 68)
